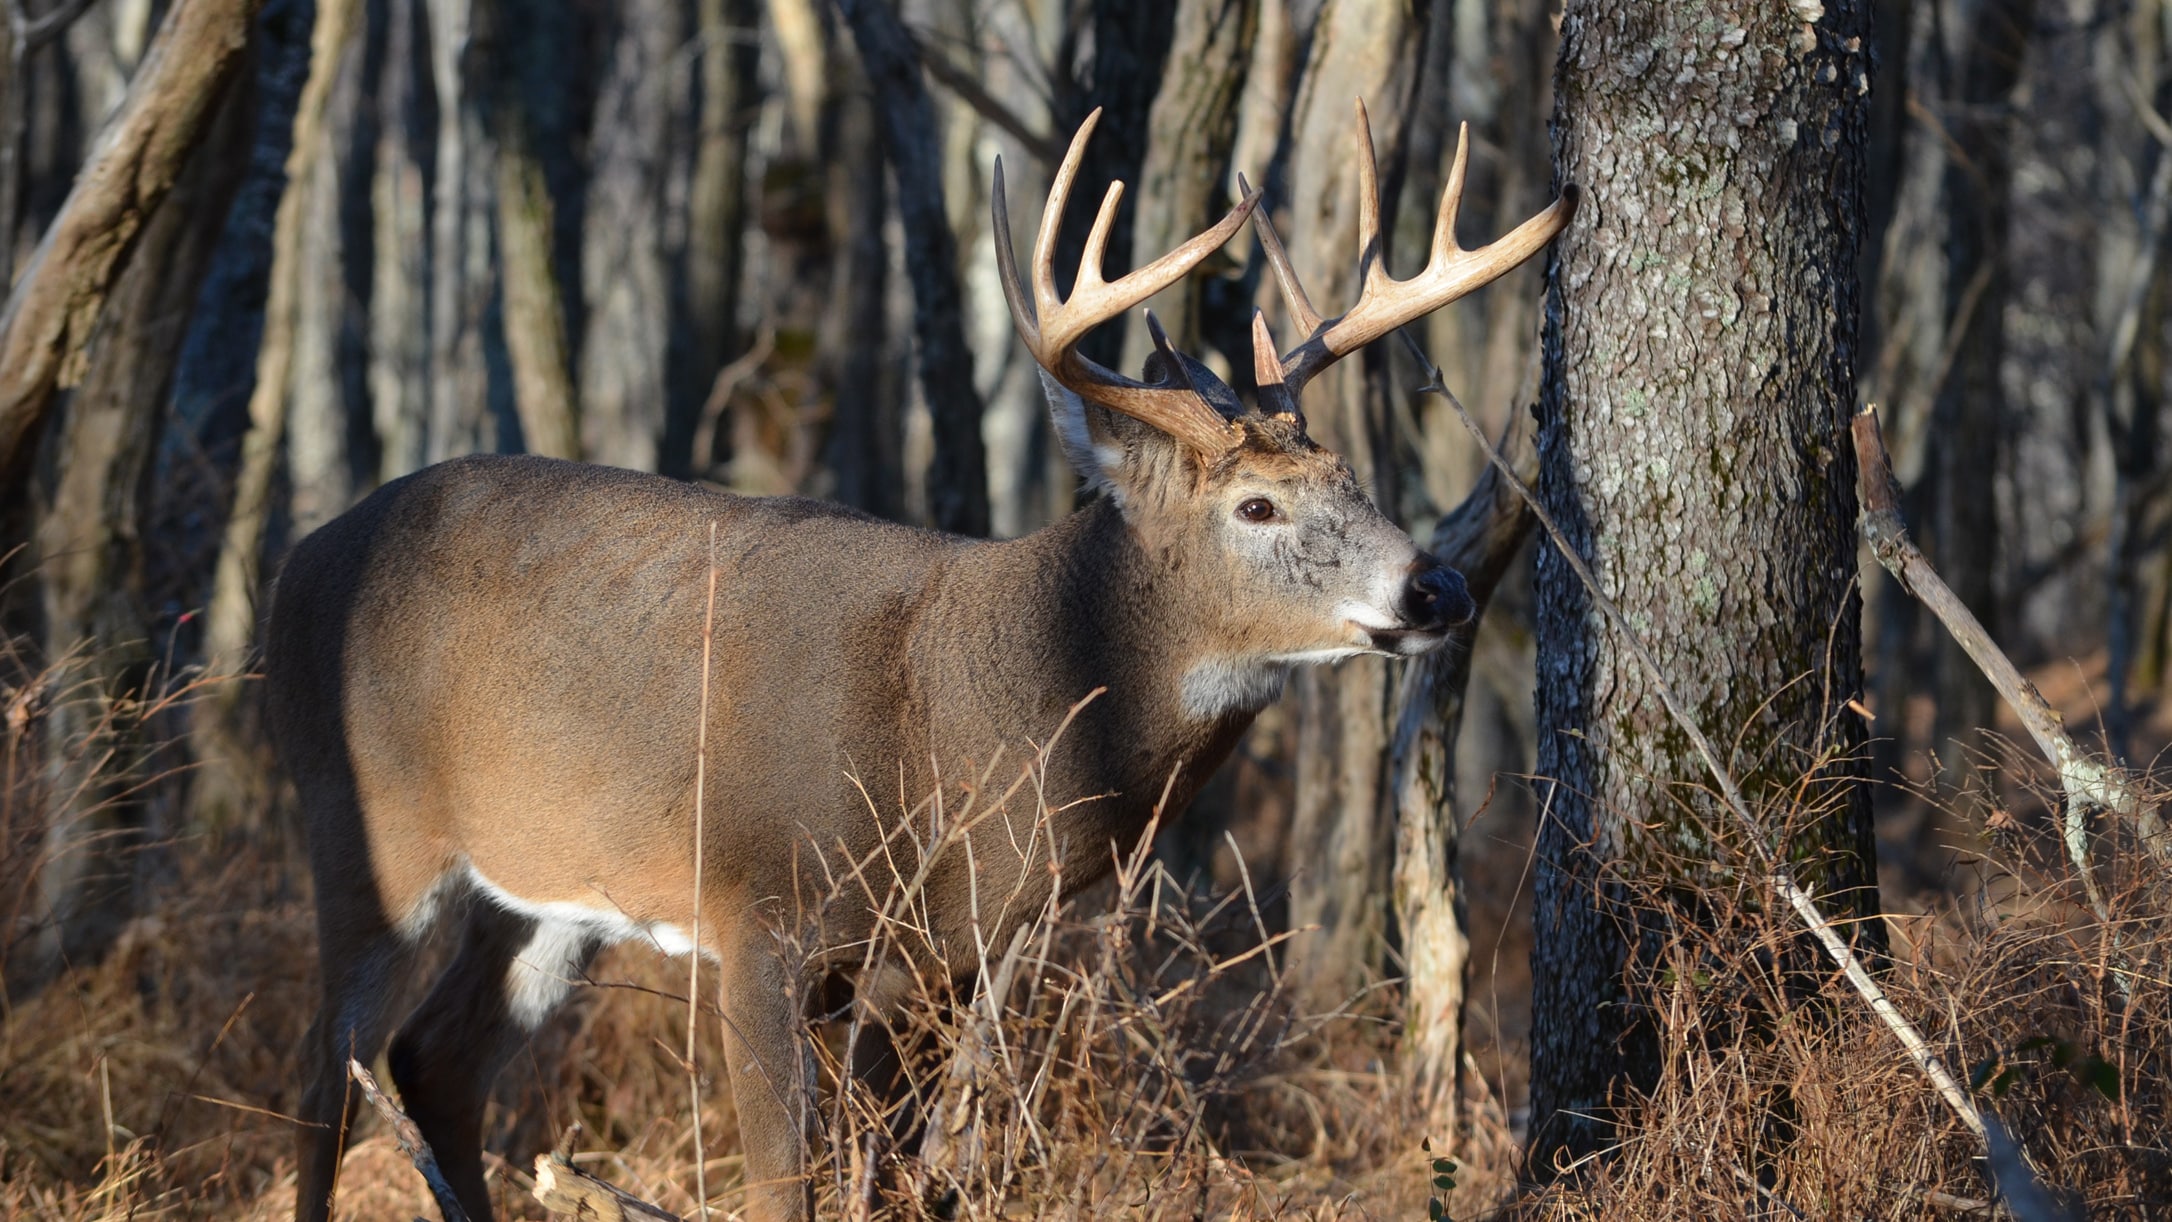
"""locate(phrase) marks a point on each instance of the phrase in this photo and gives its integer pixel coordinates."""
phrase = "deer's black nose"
(1436, 597)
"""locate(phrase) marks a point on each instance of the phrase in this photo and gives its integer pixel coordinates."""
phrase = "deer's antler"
(1052, 328)
(1385, 303)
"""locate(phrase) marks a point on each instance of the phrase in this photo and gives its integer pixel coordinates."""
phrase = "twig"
(564, 1188)
(411, 1142)
(693, 967)
(1882, 1006)
(1955, 1204)
(1044, 148)
(2089, 782)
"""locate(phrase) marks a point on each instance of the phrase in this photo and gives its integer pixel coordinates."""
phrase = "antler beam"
(1385, 303)
(1052, 327)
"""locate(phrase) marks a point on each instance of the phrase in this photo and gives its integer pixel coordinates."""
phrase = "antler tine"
(1024, 319)
(1275, 398)
(1372, 256)
(1385, 303)
(1052, 327)
(1451, 197)
(1176, 371)
(1278, 261)
(1059, 195)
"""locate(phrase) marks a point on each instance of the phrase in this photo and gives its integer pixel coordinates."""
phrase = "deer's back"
(496, 646)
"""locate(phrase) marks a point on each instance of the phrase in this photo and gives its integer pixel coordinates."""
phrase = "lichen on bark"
(1699, 351)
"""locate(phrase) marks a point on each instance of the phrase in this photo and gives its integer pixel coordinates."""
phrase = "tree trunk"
(1185, 179)
(537, 349)
(1479, 539)
(462, 271)
(1693, 440)
(399, 313)
(320, 466)
(1342, 830)
(867, 434)
(227, 789)
(958, 476)
(710, 271)
(1970, 420)
(90, 537)
(625, 260)
(56, 302)
(1131, 44)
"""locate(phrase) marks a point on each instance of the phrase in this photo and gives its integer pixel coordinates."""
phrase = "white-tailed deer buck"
(486, 681)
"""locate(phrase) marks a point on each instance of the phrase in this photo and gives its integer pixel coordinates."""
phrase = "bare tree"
(958, 478)
(228, 787)
(1190, 130)
(1970, 416)
(91, 534)
(1343, 826)
(537, 347)
(56, 300)
(1479, 539)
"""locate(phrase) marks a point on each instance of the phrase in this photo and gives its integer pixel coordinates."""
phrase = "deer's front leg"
(771, 1078)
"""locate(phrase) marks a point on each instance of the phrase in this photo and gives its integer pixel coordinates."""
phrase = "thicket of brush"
(1131, 1053)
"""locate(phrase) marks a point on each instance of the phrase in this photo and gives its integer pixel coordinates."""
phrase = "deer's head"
(1294, 561)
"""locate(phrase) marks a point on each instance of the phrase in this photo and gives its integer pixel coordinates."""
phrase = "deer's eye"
(1257, 509)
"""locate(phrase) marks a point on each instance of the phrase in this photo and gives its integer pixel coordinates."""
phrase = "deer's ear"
(1112, 452)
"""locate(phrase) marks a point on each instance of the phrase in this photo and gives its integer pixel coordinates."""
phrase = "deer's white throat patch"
(1218, 687)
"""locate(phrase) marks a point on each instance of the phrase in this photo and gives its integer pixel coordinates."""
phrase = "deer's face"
(1283, 557)
(1309, 568)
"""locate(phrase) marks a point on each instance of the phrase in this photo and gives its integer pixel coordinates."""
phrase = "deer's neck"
(1089, 606)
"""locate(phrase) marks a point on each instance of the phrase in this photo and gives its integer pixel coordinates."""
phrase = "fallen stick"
(411, 1142)
(565, 1189)
(2090, 783)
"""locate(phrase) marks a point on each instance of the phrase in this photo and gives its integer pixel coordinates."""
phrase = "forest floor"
(158, 1082)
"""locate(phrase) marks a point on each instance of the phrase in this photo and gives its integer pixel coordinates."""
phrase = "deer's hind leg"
(365, 962)
(511, 972)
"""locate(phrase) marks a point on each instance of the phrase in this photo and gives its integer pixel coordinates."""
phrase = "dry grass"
(1135, 1055)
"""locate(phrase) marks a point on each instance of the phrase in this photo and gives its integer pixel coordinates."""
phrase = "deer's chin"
(1406, 642)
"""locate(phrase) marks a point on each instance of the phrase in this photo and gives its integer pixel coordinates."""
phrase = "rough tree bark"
(625, 256)
(1699, 352)
(958, 477)
(90, 542)
(227, 788)
(1969, 419)
(399, 310)
(1184, 177)
(1341, 835)
(537, 349)
(55, 303)
(1478, 538)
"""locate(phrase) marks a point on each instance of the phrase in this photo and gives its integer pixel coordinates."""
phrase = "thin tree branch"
(1044, 147)
(411, 1141)
(563, 1188)
(46, 27)
(2089, 782)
